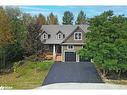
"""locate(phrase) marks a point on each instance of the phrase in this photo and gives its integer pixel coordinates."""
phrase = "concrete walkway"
(72, 72)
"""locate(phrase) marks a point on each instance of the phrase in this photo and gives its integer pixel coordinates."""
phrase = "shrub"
(10, 54)
(34, 58)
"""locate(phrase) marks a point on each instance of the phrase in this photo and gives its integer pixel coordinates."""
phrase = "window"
(60, 36)
(45, 36)
(70, 47)
(77, 36)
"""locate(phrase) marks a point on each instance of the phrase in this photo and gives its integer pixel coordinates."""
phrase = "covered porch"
(53, 52)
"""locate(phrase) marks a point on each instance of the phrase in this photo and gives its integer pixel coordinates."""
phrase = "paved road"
(72, 72)
(96, 86)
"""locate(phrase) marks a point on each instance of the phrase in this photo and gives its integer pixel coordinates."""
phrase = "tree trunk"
(104, 73)
(119, 74)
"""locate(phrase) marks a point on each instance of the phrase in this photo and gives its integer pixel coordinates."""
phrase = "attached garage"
(70, 57)
(70, 53)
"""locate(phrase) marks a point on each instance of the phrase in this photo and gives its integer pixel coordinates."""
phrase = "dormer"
(60, 35)
(45, 36)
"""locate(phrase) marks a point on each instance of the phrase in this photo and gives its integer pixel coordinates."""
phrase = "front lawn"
(26, 76)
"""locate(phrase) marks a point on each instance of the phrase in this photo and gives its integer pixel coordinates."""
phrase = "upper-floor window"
(60, 36)
(78, 36)
(45, 36)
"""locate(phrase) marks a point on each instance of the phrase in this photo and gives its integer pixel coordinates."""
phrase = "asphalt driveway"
(72, 72)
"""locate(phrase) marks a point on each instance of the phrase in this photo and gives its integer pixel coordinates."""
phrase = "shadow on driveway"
(72, 72)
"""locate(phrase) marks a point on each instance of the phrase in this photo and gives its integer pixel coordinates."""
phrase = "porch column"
(54, 52)
(62, 54)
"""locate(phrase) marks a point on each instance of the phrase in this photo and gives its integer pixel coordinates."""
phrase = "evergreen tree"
(81, 19)
(68, 18)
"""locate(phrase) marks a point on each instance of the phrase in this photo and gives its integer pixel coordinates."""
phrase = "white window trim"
(60, 35)
(45, 37)
(70, 48)
(81, 36)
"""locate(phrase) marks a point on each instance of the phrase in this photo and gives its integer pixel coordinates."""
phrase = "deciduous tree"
(32, 43)
(16, 19)
(5, 28)
(41, 19)
(52, 19)
(106, 44)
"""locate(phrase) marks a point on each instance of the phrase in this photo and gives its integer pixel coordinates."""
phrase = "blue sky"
(90, 11)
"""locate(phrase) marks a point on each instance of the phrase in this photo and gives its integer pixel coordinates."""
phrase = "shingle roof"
(65, 29)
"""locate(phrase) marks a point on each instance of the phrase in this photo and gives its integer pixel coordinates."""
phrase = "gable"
(70, 38)
(59, 32)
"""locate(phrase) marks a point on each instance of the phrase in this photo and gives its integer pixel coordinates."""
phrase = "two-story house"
(63, 41)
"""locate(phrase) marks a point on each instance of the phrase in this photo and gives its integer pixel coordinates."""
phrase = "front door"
(58, 49)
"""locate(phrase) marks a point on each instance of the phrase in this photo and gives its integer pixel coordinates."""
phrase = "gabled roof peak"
(59, 32)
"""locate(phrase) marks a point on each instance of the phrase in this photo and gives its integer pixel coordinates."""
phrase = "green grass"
(27, 76)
